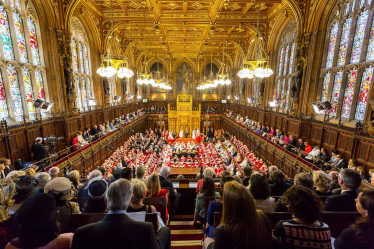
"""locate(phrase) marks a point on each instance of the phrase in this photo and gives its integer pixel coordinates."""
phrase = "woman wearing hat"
(62, 188)
(37, 225)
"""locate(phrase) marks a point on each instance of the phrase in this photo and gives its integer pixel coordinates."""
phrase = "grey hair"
(351, 178)
(208, 172)
(273, 168)
(42, 178)
(39, 139)
(119, 195)
(94, 173)
(164, 170)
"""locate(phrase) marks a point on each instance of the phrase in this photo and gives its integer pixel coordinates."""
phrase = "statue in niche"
(296, 81)
(69, 78)
(184, 78)
(106, 86)
(261, 88)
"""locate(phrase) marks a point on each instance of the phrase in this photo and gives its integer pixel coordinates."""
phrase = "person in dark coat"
(117, 229)
(349, 181)
(280, 186)
(38, 150)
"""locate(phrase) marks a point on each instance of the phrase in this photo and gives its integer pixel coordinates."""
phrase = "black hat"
(91, 197)
(25, 187)
(37, 209)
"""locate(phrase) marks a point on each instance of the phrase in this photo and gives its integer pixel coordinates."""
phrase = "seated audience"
(207, 194)
(117, 229)
(75, 141)
(334, 175)
(242, 226)
(352, 164)
(260, 191)
(216, 206)
(154, 190)
(174, 196)
(140, 172)
(37, 225)
(74, 177)
(272, 169)
(42, 178)
(349, 181)
(81, 140)
(91, 197)
(361, 234)
(247, 175)
(340, 163)
(61, 187)
(8, 166)
(304, 230)
(53, 172)
(94, 173)
(208, 173)
(322, 182)
(363, 174)
(139, 191)
(279, 185)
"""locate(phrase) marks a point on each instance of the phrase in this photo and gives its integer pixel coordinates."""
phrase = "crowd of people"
(248, 189)
(312, 153)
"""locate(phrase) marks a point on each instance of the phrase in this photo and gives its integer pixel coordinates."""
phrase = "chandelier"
(223, 78)
(111, 64)
(208, 82)
(257, 67)
(159, 81)
(145, 78)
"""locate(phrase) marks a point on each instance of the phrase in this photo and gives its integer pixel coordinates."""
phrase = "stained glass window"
(362, 2)
(287, 93)
(368, 2)
(363, 95)
(15, 92)
(86, 60)
(29, 94)
(39, 84)
(332, 44)
(33, 41)
(370, 52)
(18, 5)
(282, 93)
(286, 60)
(325, 86)
(6, 39)
(20, 36)
(75, 56)
(84, 94)
(348, 94)
(278, 86)
(280, 63)
(336, 92)
(353, 6)
(290, 70)
(81, 58)
(359, 37)
(89, 88)
(344, 41)
(79, 95)
(346, 9)
(3, 105)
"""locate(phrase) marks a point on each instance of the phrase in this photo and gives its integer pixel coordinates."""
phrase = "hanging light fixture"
(145, 77)
(109, 70)
(223, 78)
(260, 63)
(208, 82)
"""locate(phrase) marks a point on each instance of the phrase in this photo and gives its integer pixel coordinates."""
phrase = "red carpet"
(183, 234)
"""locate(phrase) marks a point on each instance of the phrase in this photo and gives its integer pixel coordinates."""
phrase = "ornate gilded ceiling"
(184, 28)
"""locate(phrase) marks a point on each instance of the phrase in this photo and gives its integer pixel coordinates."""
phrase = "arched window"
(81, 64)
(22, 71)
(347, 71)
(286, 67)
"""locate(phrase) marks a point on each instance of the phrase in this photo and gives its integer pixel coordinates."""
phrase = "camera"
(53, 139)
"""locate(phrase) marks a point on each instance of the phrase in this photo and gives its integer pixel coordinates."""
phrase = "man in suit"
(38, 150)
(117, 229)
(349, 181)
(341, 163)
(164, 182)
(291, 144)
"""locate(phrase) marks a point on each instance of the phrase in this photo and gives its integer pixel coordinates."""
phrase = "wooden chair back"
(159, 203)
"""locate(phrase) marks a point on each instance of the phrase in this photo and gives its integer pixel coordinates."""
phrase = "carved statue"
(296, 82)
(106, 86)
(69, 78)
